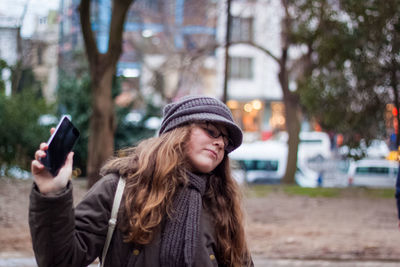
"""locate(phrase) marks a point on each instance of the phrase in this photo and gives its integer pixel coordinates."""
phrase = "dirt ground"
(353, 226)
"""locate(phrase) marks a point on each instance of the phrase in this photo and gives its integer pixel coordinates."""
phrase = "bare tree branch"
(120, 9)
(87, 32)
(263, 49)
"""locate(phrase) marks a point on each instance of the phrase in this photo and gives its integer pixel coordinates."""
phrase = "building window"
(241, 68)
(242, 29)
(43, 20)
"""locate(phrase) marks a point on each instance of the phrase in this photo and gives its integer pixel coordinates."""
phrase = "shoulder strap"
(113, 220)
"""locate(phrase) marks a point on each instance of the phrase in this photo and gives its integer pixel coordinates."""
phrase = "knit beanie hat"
(201, 108)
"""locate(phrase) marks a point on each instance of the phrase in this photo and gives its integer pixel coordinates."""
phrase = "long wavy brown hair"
(154, 170)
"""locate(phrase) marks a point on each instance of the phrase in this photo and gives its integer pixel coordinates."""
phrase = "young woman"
(180, 206)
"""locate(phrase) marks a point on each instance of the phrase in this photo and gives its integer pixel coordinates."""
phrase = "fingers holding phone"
(45, 181)
(37, 167)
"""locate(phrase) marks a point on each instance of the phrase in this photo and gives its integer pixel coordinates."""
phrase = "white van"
(314, 145)
(373, 173)
(265, 161)
(261, 161)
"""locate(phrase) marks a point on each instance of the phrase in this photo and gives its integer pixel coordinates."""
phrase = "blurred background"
(317, 79)
(313, 84)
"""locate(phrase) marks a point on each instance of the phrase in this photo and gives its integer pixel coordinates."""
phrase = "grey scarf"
(181, 232)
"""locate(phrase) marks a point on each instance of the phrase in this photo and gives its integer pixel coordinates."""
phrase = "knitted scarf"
(181, 232)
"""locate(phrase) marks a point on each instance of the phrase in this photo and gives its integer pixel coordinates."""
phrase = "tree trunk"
(293, 129)
(102, 68)
(102, 124)
(227, 45)
(292, 107)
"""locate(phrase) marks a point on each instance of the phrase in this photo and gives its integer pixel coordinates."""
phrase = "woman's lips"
(213, 153)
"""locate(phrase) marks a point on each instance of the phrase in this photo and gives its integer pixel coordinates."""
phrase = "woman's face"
(206, 146)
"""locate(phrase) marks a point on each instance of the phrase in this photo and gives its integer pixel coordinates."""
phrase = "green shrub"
(21, 133)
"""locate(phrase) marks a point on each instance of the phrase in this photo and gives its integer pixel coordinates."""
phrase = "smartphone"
(60, 143)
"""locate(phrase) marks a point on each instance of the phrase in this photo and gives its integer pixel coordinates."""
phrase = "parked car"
(373, 173)
(265, 162)
(313, 145)
(261, 161)
(376, 149)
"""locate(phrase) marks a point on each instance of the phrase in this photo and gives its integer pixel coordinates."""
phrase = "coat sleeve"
(397, 194)
(62, 236)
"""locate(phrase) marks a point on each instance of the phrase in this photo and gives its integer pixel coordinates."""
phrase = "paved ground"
(320, 263)
(258, 262)
(358, 228)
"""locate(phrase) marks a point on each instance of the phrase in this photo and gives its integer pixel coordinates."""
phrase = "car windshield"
(311, 141)
(374, 170)
(262, 165)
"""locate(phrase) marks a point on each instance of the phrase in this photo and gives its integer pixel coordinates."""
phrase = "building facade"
(9, 42)
(43, 51)
(37, 51)
(176, 47)
(9, 28)
(166, 45)
(254, 91)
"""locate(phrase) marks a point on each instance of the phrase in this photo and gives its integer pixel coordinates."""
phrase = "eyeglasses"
(214, 132)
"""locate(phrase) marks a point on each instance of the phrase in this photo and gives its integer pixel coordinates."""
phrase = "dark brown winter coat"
(64, 236)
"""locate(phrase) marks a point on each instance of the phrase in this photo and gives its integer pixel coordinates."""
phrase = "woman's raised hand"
(45, 181)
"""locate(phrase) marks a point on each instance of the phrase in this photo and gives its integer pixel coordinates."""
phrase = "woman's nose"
(219, 141)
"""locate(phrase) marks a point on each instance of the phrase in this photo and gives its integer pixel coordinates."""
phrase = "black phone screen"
(59, 145)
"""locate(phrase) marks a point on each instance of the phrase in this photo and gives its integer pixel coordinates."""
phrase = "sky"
(14, 8)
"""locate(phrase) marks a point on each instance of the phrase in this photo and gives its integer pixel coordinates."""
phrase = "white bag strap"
(113, 220)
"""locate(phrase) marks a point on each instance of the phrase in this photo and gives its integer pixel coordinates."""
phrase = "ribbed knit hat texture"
(201, 108)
